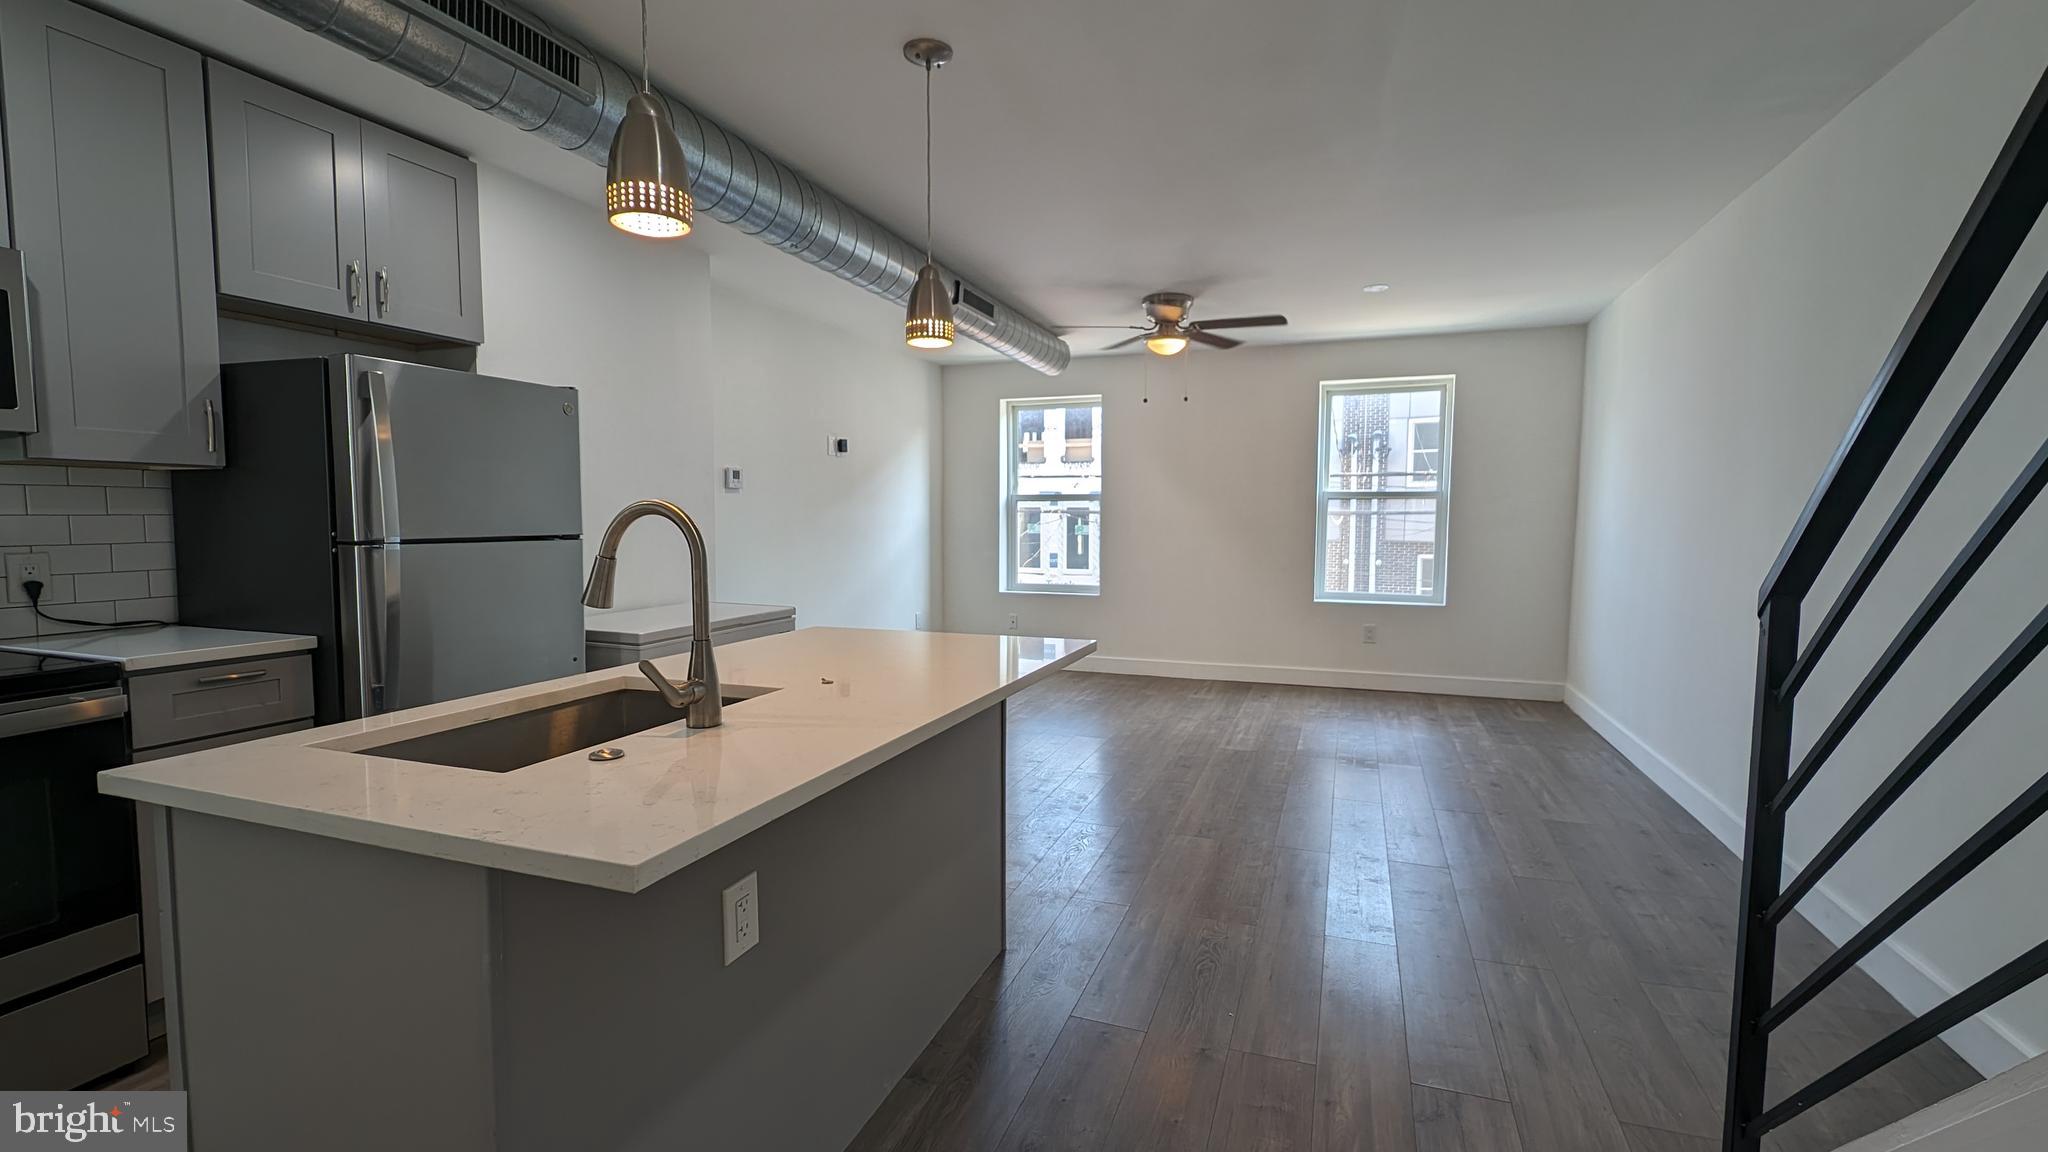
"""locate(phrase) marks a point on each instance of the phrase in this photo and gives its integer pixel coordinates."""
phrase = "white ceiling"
(1499, 162)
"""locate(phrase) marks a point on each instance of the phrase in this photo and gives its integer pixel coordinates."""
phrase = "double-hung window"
(1383, 490)
(1052, 495)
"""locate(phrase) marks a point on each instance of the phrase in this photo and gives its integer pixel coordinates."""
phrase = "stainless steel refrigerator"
(424, 523)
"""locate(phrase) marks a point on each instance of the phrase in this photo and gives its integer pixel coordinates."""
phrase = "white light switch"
(742, 916)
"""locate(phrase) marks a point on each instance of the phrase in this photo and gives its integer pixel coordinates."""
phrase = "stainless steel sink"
(509, 742)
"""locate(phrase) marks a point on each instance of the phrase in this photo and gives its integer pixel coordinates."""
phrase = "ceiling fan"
(1171, 331)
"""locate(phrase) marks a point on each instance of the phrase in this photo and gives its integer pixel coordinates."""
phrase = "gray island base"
(336, 995)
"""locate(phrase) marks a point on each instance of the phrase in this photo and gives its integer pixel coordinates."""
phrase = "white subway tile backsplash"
(113, 586)
(34, 530)
(143, 557)
(32, 474)
(81, 558)
(106, 529)
(163, 608)
(140, 501)
(108, 533)
(64, 500)
(98, 615)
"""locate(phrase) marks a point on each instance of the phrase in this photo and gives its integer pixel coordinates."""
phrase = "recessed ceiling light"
(1377, 287)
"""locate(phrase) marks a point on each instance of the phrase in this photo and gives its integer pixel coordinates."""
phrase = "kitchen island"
(394, 932)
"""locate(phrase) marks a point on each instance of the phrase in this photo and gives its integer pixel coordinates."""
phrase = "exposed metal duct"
(512, 64)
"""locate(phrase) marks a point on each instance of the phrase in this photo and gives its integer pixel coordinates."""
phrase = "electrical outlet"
(1371, 634)
(23, 567)
(742, 916)
(1013, 621)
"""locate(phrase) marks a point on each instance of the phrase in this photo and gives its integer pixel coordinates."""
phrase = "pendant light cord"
(927, 161)
(643, 47)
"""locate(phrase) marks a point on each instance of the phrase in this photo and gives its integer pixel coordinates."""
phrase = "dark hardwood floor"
(1254, 917)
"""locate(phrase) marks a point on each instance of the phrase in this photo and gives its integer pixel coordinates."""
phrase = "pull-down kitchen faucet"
(699, 696)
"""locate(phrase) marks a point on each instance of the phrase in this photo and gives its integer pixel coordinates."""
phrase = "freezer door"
(423, 623)
(432, 454)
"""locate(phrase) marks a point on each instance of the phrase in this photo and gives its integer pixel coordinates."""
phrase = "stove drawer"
(61, 1042)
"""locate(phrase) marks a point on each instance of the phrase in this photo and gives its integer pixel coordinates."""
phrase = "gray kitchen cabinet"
(420, 207)
(319, 211)
(107, 163)
(288, 196)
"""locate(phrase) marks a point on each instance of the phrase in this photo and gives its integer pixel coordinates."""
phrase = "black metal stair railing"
(2001, 217)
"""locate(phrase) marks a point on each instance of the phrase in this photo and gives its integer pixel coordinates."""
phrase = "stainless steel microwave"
(17, 380)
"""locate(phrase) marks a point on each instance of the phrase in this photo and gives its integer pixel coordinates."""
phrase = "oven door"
(17, 375)
(68, 886)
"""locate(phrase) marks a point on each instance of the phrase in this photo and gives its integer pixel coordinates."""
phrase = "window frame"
(1007, 570)
(1441, 498)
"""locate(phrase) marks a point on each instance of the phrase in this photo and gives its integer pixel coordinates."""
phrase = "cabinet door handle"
(209, 427)
(383, 291)
(231, 677)
(355, 285)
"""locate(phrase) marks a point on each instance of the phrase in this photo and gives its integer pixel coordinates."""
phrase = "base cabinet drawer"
(194, 703)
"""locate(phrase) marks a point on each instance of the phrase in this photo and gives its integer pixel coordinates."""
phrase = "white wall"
(852, 540)
(712, 352)
(1209, 515)
(1716, 389)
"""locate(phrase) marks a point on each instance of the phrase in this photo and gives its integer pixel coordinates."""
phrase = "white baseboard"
(1988, 1044)
(1326, 678)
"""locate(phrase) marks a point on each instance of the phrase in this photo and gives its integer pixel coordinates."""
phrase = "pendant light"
(647, 182)
(928, 323)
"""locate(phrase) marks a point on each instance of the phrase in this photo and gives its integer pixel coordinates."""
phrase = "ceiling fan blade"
(1211, 339)
(1243, 322)
(1134, 327)
(1130, 341)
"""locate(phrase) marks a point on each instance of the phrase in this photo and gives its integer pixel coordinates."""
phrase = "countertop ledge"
(831, 704)
(154, 649)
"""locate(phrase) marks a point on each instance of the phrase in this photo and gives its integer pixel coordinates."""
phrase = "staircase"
(1999, 221)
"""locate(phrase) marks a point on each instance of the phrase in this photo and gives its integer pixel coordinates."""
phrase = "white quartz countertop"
(843, 701)
(638, 627)
(176, 646)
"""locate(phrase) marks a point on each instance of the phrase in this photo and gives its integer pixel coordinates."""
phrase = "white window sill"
(1370, 602)
(1050, 591)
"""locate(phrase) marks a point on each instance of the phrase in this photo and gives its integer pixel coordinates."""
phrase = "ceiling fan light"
(647, 182)
(928, 322)
(1166, 344)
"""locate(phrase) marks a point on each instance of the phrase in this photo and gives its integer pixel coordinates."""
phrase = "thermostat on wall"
(732, 479)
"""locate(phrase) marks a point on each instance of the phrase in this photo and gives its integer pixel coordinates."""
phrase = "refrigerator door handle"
(377, 615)
(376, 463)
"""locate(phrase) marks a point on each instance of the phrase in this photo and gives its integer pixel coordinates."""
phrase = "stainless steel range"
(72, 1002)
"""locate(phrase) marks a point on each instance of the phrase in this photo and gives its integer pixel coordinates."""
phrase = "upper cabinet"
(322, 212)
(288, 196)
(107, 168)
(420, 212)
